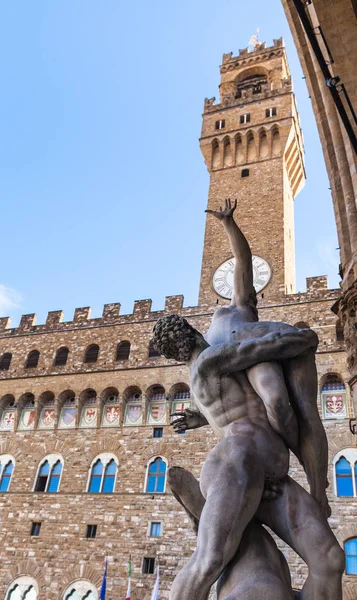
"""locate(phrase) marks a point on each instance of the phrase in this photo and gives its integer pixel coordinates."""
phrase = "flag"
(104, 582)
(155, 592)
(127, 597)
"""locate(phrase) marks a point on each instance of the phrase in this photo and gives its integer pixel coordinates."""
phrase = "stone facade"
(338, 23)
(62, 554)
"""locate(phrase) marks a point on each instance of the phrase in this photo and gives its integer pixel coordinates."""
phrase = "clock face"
(223, 277)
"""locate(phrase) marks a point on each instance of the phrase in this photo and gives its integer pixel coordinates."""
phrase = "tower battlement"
(316, 289)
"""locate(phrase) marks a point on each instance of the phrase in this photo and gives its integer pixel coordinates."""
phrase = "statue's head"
(175, 338)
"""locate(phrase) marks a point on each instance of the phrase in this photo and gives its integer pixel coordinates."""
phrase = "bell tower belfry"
(252, 145)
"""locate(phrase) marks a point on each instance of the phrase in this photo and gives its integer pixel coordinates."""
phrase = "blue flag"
(104, 582)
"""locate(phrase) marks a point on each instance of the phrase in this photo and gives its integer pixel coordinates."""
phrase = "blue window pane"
(351, 546)
(108, 485)
(155, 529)
(45, 469)
(154, 466)
(343, 467)
(111, 468)
(160, 484)
(94, 485)
(151, 484)
(356, 474)
(5, 482)
(54, 483)
(57, 469)
(351, 565)
(162, 466)
(97, 468)
(344, 478)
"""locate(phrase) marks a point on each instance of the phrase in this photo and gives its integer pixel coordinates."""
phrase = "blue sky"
(102, 182)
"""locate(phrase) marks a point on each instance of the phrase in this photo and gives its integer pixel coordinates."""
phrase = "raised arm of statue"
(224, 359)
(243, 289)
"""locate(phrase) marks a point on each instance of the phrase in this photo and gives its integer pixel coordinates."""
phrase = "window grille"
(158, 432)
(153, 353)
(220, 124)
(5, 361)
(245, 173)
(156, 476)
(123, 351)
(148, 565)
(155, 529)
(32, 359)
(91, 355)
(91, 532)
(61, 357)
(35, 529)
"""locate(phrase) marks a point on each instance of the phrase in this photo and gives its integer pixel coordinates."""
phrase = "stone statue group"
(255, 384)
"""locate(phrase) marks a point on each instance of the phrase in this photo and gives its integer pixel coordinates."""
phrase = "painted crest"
(335, 405)
(133, 414)
(89, 416)
(157, 412)
(112, 414)
(8, 420)
(28, 419)
(68, 416)
(48, 417)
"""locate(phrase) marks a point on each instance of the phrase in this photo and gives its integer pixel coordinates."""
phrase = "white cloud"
(9, 300)
(328, 254)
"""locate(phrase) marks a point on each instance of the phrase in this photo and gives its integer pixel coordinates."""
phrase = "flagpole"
(128, 593)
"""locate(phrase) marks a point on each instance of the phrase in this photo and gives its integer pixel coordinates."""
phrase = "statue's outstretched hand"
(227, 213)
(188, 419)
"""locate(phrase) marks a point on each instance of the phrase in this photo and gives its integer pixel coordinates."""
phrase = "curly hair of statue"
(174, 337)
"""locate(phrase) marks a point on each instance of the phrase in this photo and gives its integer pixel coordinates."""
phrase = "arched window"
(181, 395)
(49, 474)
(103, 474)
(227, 153)
(351, 556)
(5, 361)
(22, 588)
(345, 473)
(91, 355)
(7, 464)
(67, 403)
(81, 590)
(32, 359)
(156, 476)
(344, 478)
(123, 351)
(153, 353)
(216, 160)
(61, 357)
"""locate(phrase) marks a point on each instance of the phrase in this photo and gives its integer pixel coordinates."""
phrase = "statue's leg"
(298, 520)
(258, 571)
(187, 492)
(232, 482)
(301, 379)
(267, 380)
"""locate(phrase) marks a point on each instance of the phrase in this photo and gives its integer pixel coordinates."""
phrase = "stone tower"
(253, 148)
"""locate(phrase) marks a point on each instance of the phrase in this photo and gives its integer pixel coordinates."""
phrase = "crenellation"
(142, 309)
(27, 322)
(316, 285)
(173, 304)
(111, 311)
(54, 317)
(4, 323)
(82, 315)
